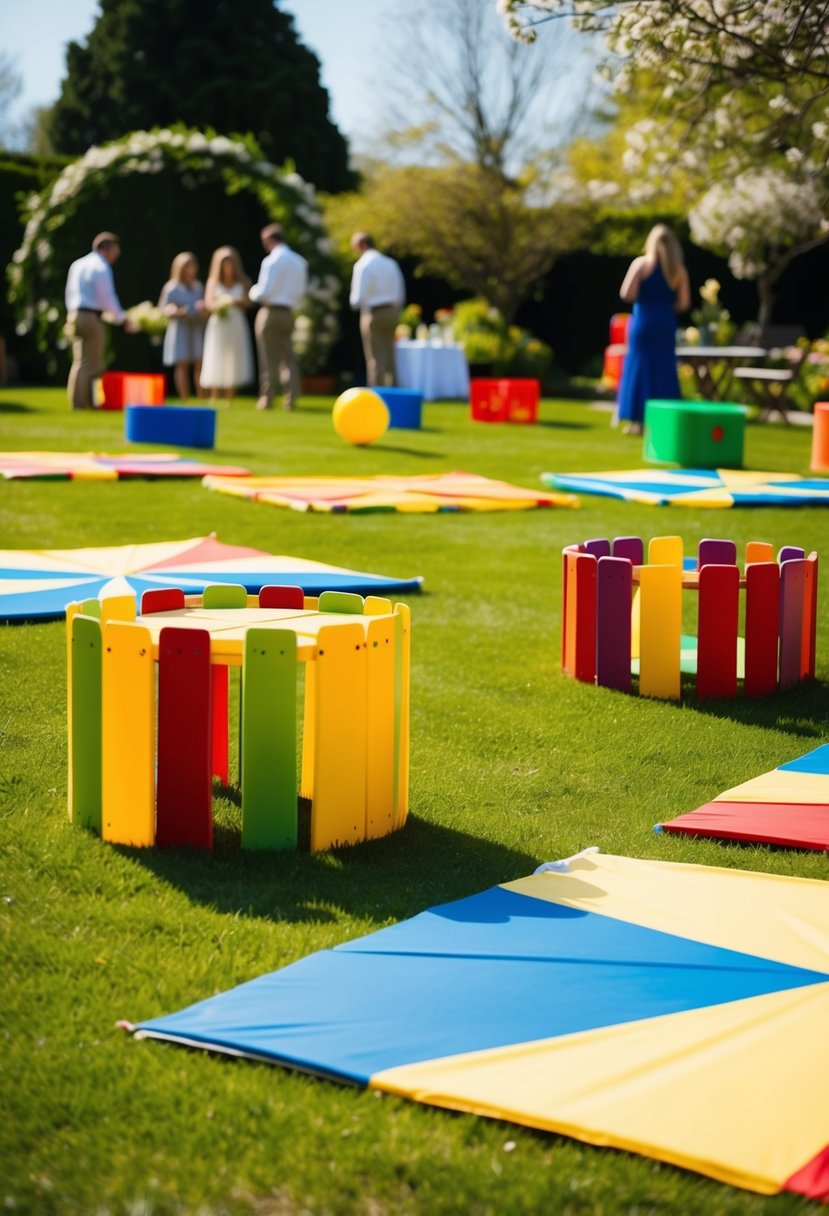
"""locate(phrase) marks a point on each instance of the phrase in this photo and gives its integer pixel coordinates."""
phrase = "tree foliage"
(233, 65)
(461, 223)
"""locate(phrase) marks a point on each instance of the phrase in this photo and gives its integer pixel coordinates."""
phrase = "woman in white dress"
(228, 350)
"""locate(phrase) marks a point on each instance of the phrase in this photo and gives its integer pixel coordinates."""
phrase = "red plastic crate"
(619, 328)
(132, 388)
(505, 400)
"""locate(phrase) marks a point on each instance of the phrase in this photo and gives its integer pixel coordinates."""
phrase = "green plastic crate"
(695, 434)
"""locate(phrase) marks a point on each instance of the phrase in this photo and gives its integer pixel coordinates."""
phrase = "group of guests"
(207, 340)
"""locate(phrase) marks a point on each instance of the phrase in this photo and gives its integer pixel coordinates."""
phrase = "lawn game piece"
(148, 715)
(788, 806)
(360, 416)
(504, 400)
(675, 1011)
(37, 584)
(698, 487)
(405, 407)
(427, 492)
(820, 438)
(609, 633)
(192, 426)
(614, 354)
(695, 434)
(130, 388)
(96, 466)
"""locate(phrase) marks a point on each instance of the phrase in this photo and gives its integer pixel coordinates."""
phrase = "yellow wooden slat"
(660, 631)
(405, 614)
(118, 608)
(338, 813)
(381, 795)
(128, 729)
(665, 551)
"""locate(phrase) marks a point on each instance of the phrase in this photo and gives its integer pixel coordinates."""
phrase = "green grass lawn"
(512, 764)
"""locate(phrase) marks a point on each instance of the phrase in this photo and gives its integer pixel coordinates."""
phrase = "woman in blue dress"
(657, 286)
(182, 301)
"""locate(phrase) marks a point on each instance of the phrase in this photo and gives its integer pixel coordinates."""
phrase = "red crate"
(132, 388)
(505, 400)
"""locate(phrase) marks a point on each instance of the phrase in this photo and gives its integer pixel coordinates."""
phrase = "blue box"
(190, 426)
(405, 407)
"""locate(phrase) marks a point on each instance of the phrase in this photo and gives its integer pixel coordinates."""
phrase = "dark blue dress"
(650, 363)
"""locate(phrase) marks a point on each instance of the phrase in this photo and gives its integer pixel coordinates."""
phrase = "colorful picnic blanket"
(698, 487)
(96, 466)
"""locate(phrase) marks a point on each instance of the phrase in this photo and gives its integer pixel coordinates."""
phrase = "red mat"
(797, 825)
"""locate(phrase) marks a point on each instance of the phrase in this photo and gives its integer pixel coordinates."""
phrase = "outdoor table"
(436, 371)
(148, 715)
(713, 366)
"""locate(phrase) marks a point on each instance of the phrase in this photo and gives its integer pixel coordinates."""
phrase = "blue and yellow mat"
(673, 1010)
(698, 487)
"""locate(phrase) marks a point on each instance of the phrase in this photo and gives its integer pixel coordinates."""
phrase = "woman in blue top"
(657, 286)
(182, 301)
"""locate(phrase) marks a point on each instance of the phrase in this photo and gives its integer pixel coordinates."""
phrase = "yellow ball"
(360, 416)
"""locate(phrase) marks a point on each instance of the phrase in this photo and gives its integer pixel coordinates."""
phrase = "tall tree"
(234, 65)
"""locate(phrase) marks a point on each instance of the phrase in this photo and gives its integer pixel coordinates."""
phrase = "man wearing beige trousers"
(377, 293)
(90, 292)
(280, 289)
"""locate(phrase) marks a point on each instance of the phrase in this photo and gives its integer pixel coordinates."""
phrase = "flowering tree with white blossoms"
(59, 222)
(761, 220)
(736, 83)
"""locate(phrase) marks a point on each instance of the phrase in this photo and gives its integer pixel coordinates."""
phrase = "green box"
(695, 434)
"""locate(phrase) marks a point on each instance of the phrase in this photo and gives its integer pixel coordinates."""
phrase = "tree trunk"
(766, 294)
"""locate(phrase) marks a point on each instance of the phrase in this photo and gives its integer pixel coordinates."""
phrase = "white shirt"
(376, 280)
(90, 284)
(283, 278)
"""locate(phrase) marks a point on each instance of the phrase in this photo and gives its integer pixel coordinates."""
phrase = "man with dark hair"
(377, 293)
(90, 292)
(282, 284)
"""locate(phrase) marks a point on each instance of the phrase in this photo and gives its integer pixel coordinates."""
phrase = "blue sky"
(342, 33)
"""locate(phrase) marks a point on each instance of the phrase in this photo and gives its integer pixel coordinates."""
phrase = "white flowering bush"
(87, 195)
(757, 217)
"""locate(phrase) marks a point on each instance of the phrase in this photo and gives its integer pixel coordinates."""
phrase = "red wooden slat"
(718, 614)
(565, 590)
(762, 627)
(792, 588)
(184, 805)
(165, 599)
(281, 597)
(218, 724)
(585, 640)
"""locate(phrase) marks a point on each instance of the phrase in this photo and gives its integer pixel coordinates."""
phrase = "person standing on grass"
(227, 361)
(182, 302)
(279, 291)
(90, 292)
(378, 292)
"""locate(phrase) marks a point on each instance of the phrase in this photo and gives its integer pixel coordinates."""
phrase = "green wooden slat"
(86, 722)
(91, 608)
(341, 601)
(269, 793)
(225, 595)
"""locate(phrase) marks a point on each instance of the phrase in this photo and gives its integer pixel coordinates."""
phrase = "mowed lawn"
(512, 764)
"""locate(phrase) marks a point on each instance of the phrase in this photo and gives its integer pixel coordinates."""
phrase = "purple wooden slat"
(630, 547)
(792, 584)
(599, 548)
(717, 553)
(613, 595)
(790, 553)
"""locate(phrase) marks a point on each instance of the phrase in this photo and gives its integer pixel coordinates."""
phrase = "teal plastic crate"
(695, 434)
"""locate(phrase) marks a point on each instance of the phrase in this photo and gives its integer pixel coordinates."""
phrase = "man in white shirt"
(378, 293)
(282, 284)
(90, 292)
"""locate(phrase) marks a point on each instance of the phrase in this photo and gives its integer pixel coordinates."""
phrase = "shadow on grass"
(562, 425)
(392, 878)
(802, 711)
(388, 447)
(16, 407)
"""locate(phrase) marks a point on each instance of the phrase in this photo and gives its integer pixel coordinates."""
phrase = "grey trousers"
(377, 328)
(278, 366)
